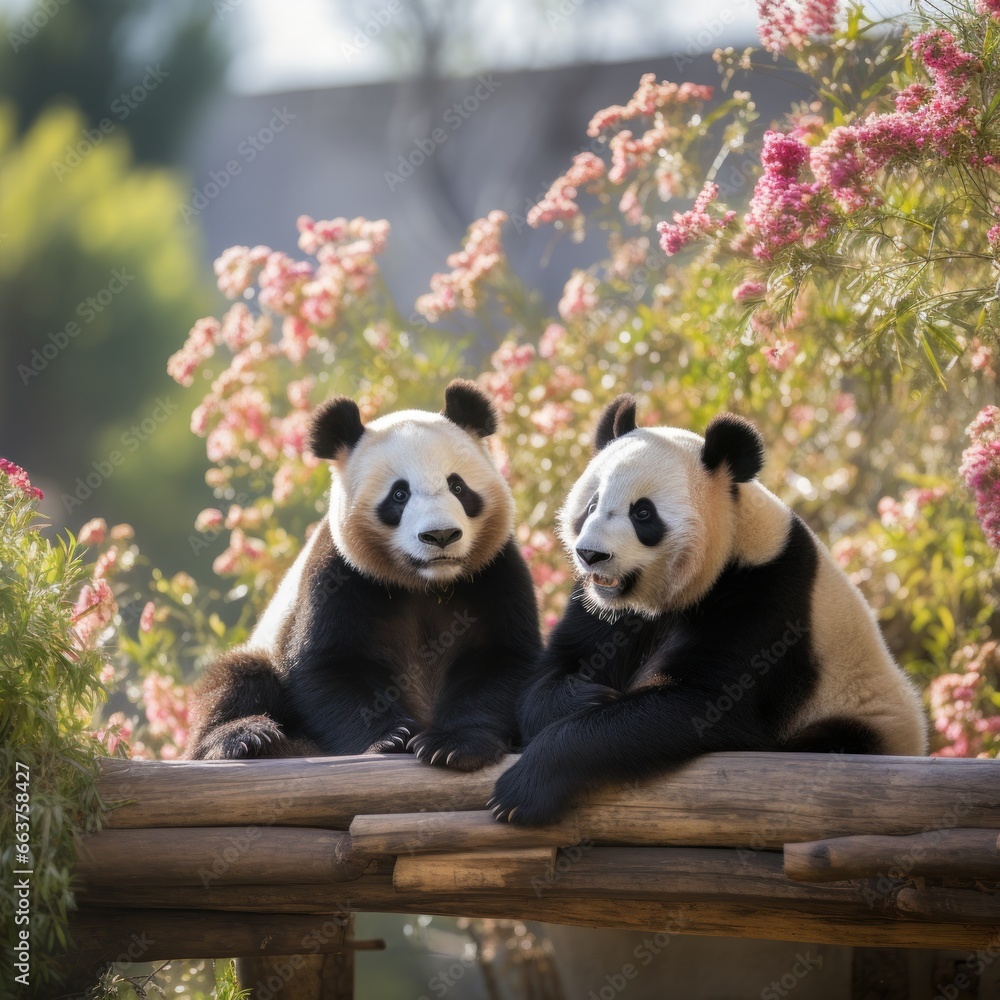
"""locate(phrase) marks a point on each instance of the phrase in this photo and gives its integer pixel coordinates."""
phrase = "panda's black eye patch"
(390, 510)
(587, 511)
(471, 501)
(648, 525)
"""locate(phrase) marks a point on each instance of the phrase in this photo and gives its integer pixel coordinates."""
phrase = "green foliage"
(97, 273)
(49, 690)
(98, 50)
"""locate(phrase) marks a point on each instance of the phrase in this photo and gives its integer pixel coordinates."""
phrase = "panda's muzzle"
(592, 557)
(441, 537)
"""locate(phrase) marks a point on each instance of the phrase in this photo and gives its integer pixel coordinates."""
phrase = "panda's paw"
(396, 739)
(527, 796)
(245, 739)
(462, 749)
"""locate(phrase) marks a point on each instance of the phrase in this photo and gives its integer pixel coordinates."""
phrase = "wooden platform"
(271, 857)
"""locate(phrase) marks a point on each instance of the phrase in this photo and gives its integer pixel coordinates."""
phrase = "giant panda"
(706, 617)
(407, 622)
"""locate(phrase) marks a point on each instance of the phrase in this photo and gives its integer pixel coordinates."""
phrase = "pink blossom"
(199, 347)
(239, 327)
(93, 611)
(749, 290)
(236, 268)
(558, 203)
(481, 253)
(579, 296)
(284, 482)
(981, 470)
(298, 392)
(649, 98)
(784, 209)
(167, 705)
(297, 338)
(93, 532)
(837, 167)
(512, 357)
(790, 23)
(210, 519)
(106, 563)
(552, 417)
(116, 733)
(18, 478)
(693, 224)
(146, 618)
(281, 281)
(554, 335)
(988, 8)
(781, 354)
(241, 551)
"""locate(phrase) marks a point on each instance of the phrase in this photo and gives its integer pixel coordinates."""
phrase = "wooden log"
(754, 800)
(456, 873)
(220, 855)
(949, 904)
(434, 833)
(661, 875)
(937, 854)
(144, 935)
(782, 922)
(317, 792)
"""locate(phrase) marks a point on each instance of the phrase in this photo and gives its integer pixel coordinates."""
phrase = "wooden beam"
(144, 935)
(451, 873)
(225, 855)
(437, 832)
(968, 905)
(937, 854)
(783, 922)
(752, 800)
(299, 791)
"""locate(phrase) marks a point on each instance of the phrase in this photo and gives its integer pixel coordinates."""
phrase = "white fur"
(271, 622)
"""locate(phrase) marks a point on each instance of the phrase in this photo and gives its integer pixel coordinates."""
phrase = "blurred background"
(138, 139)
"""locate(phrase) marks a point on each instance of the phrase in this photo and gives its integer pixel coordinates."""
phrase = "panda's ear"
(468, 406)
(735, 441)
(336, 425)
(617, 419)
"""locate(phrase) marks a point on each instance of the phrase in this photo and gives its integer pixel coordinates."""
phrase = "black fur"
(618, 418)
(735, 441)
(336, 424)
(468, 406)
(471, 501)
(390, 510)
(646, 520)
(632, 697)
(344, 676)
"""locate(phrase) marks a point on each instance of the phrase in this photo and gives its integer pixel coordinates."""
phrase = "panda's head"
(651, 523)
(415, 498)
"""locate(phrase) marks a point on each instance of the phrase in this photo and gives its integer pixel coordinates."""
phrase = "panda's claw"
(437, 753)
(510, 815)
(447, 759)
(490, 801)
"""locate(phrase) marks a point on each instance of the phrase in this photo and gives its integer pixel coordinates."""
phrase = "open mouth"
(608, 587)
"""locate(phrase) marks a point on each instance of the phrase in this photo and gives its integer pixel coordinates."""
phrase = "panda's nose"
(591, 557)
(441, 537)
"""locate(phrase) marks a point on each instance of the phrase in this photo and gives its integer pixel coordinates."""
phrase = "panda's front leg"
(474, 720)
(643, 734)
